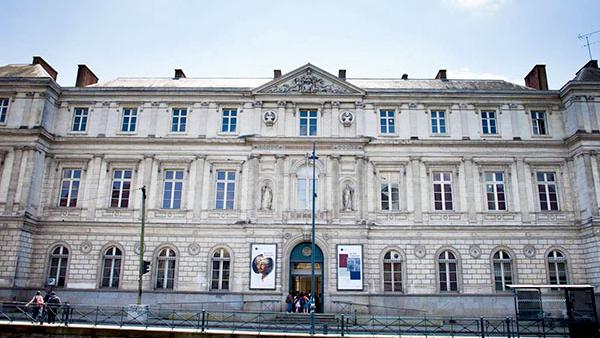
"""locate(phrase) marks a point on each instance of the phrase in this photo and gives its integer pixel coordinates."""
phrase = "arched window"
(165, 268)
(557, 267)
(111, 268)
(502, 262)
(392, 271)
(57, 267)
(304, 187)
(447, 271)
(220, 262)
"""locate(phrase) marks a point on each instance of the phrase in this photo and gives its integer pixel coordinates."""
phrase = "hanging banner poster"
(349, 267)
(262, 266)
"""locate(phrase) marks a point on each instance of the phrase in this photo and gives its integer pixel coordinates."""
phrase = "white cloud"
(479, 4)
(465, 73)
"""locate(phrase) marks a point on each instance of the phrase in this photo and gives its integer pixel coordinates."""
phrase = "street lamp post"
(313, 157)
(141, 267)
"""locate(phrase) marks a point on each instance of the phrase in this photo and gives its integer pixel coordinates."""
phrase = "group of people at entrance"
(44, 306)
(299, 303)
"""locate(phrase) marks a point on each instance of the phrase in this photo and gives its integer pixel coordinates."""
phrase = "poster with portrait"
(262, 266)
(349, 267)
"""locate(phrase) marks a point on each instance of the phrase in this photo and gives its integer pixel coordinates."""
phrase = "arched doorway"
(300, 272)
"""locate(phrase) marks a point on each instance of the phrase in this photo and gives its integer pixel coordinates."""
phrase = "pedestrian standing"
(289, 300)
(38, 307)
(52, 306)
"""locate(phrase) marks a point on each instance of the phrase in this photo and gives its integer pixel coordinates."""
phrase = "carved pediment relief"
(309, 80)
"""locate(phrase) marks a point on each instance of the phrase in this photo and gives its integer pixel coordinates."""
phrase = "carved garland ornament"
(269, 118)
(346, 118)
(308, 83)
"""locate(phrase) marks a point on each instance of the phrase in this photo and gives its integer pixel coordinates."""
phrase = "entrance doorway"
(300, 272)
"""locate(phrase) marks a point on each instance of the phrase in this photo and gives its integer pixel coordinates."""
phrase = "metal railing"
(267, 321)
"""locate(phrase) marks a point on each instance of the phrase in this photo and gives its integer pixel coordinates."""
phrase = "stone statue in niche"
(347, 198)
(266, 197)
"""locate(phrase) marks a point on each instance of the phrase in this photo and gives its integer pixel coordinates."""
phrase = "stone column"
(92, 192)
(153, 179)
(198, 186)
(282, 189)
(5, 182)
(336, 189)
(19, 171)
(281, 123)
(523, 181)
(468, 182)
(254, 189)
(360, 118)
(335, 113)
(361, 197)
(415, 163)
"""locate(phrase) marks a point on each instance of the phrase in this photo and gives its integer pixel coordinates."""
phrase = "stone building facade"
(449, 189)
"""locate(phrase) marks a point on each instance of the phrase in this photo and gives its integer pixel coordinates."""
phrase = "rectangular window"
(438, 122)
(547, 192)
(121, 187)
(129, 120)
(3, 109)
(494, 188)
(179, 120)
(488, 122)
(80, 117)
(390, 197)
(538, 122)
(442, 191)
(308, 122)
(229, 123)
(225, 189)
(69, 188)
(387, 121)
(172, 189)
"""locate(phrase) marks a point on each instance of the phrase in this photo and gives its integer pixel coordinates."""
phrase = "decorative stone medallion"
(194, 249)
(420, 251)
(269, 118)
(86, 246)
(346, 118)
(306, 251)
(529, 251)
(475, 251)
(136, 248)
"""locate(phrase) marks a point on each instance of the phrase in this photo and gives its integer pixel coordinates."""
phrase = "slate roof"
(589, 72)
(23, 71)
(369, 84)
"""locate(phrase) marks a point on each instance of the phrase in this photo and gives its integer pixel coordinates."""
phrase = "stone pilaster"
(415, 164)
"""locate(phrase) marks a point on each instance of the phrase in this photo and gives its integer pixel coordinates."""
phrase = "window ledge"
(71, 132)
(126, 133)
(541, 136)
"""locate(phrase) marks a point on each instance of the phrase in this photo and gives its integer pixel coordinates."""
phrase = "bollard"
(203, 319)
(482, 327)
(508, 333)
(343, 323)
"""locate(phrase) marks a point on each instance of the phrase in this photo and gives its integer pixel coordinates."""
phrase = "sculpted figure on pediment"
(308, 83)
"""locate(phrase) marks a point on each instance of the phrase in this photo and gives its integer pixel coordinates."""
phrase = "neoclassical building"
(432, 194)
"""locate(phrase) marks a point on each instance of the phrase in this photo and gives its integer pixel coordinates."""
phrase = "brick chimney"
(537, 78)
(85, 77)
(37, 60)
(342, 74)
(276, 73)
(179, 74)
(441, 75)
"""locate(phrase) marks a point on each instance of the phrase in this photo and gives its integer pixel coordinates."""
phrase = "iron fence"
(268, 321)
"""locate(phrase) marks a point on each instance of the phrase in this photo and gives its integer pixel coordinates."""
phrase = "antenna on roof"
(587, 41)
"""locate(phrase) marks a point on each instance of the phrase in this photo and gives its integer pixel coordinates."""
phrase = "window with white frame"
(387, 121)
(178, 120)
(111, 267)
(502, 262)
(129, 121)
(538, 122)
(304, 180)
(121, 188)
(69, 188)
(308, 122)
(442, 191)
(494, 189)
(547, 190)
(392, 271)
(57, 265)
(220, 262)
(80, 119)
(557, 268)
(389, 191)
(173, 187)
(488, 122)
(438, 122)
(225, 189)
(447, 271)
(165, 268)
(229, 121)
(3, 109)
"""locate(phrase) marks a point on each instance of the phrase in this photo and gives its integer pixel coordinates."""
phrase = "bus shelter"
(571, 304)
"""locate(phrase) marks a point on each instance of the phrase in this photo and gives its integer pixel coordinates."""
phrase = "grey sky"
(470, 38)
